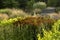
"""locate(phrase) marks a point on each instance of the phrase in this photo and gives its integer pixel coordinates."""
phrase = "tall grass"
(12, 13)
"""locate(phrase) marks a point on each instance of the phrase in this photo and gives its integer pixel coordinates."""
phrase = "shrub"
(24, 28)
(39, 5)
(14, 29)
(56, 26)
(51, 35)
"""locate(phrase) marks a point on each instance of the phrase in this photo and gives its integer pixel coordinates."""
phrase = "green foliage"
(9, 4)
(54, 34)
(52, 3)
(49, 36)
(58, 4)
(56, 26)
(26, 4)
(57, 9)
(5, 11)
(39, 5)
(30, 4)
(23, 29)
(12, 31)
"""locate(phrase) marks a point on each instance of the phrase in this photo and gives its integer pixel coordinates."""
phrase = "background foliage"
(26, 3)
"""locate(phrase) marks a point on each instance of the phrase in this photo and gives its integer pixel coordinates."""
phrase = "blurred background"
(29, 19)
(23, 8)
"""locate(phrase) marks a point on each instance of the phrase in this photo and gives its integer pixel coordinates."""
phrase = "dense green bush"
(49, 36)
(13, 30)
(54, 34)
(39, 5)
(24, 28)
(30, 28)
(56, 26)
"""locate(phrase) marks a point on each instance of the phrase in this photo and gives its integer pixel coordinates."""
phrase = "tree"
(1, 4)
(58, 3)
(30, 4)
(52, 3)
(8, 4)
(37, 7)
